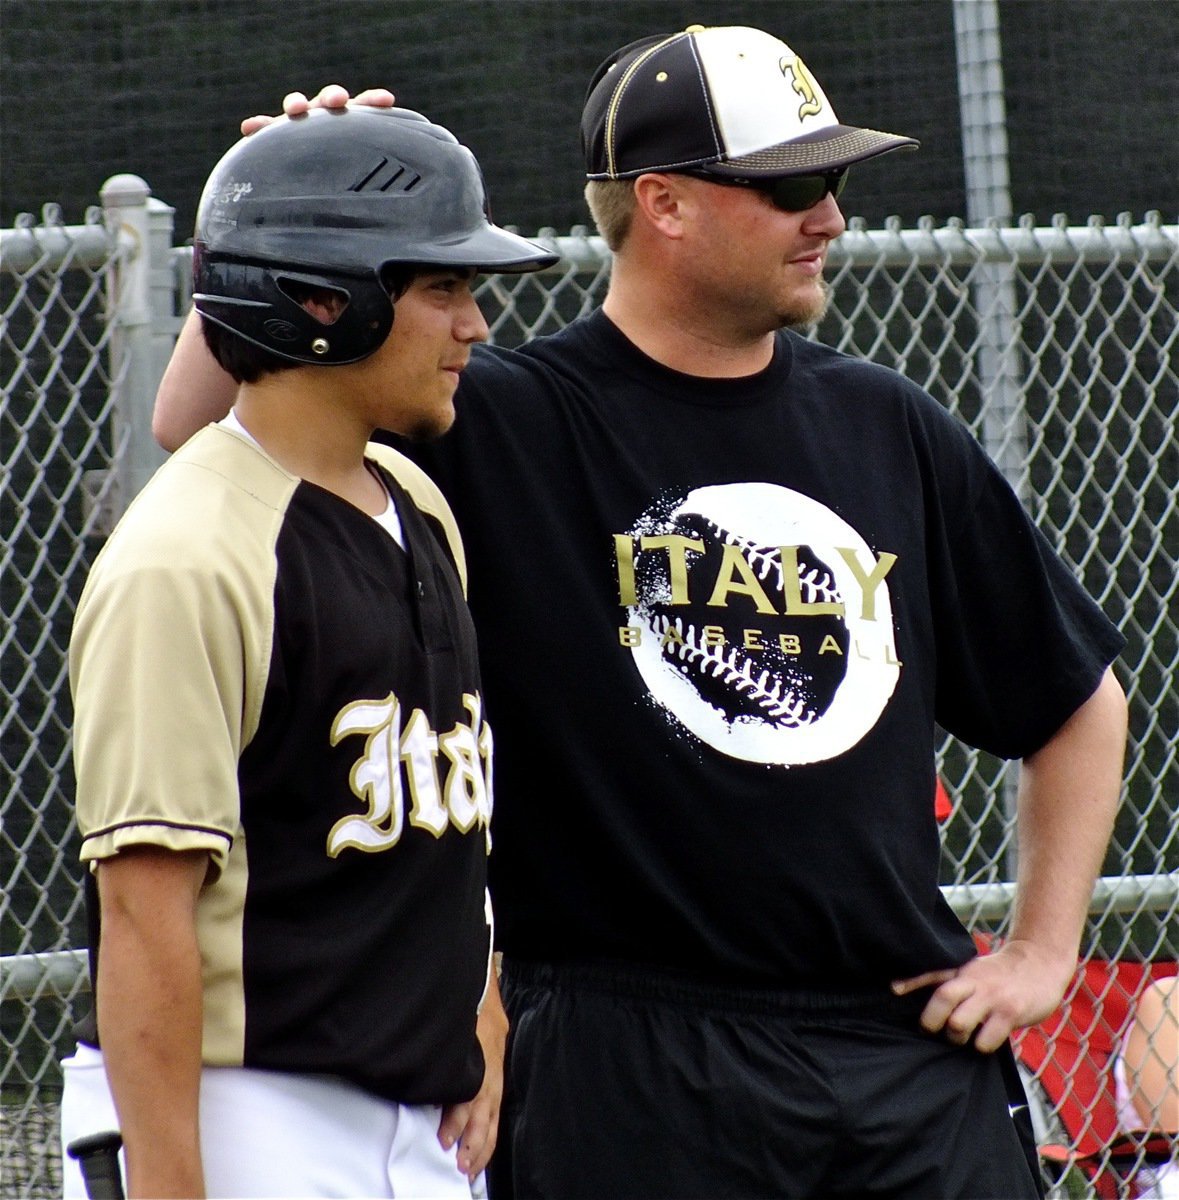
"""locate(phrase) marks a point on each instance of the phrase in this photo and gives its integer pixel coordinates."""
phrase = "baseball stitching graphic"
(760, 621)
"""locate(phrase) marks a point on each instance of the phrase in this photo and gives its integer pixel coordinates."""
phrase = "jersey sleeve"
(1020, 644)
(168, 662)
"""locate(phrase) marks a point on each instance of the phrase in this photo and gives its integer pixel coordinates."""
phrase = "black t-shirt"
(718, 622)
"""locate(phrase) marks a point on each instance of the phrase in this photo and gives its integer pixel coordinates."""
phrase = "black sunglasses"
(790, 193)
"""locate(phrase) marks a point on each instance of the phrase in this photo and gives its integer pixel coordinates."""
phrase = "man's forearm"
(1069, 792)
(149, 1018)
(1068, 797)
(194, 391)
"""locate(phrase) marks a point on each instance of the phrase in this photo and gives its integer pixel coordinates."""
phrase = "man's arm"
(475, 1125)
(150, 1014)
(194, 391)
(1068, 797)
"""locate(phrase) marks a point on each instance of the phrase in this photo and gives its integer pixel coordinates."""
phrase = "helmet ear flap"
(267, 306)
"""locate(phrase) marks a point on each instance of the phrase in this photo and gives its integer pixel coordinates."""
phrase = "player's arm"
(150, 1013)
(1068, 797)
(475, 1125)
(195, 390)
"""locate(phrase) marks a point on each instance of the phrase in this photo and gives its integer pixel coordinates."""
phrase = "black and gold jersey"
(261, 672)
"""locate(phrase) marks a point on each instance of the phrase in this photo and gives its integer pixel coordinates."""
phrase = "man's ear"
(658, 201)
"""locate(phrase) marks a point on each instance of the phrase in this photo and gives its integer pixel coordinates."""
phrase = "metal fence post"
(142, 299)
(998, 359)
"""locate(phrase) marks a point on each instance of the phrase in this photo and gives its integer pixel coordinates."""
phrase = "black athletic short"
(623, 1085)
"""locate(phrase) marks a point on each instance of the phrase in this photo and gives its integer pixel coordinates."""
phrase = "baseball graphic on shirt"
(760, 621)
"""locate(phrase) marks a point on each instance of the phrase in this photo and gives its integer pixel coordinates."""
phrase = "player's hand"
(987, 998)
(294, 104)
(475, 1124)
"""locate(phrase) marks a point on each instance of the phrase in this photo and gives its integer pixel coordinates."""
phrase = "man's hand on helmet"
(332, 95)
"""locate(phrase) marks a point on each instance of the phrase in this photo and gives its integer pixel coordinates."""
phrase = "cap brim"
(825, 150)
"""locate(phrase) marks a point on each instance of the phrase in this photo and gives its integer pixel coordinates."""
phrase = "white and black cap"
(728, 99)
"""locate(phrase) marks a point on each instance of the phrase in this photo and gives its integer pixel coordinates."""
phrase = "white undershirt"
(388, 520)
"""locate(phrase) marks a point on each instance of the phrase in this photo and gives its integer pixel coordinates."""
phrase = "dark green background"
(157, 87)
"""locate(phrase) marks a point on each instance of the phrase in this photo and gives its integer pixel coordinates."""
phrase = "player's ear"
(325, 304)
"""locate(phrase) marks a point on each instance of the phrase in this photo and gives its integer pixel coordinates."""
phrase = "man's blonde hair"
(612, 206)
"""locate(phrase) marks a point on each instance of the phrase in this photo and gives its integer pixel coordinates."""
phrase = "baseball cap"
(730, 99)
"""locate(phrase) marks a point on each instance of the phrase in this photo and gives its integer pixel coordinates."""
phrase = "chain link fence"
(1057, 345)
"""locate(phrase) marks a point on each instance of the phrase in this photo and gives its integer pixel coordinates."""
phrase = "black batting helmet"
(330, 199)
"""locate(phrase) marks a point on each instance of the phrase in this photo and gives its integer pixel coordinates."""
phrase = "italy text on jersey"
(759, 620)
(447, 775)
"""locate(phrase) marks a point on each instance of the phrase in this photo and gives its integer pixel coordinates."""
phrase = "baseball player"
(283, 761)
(728, 582)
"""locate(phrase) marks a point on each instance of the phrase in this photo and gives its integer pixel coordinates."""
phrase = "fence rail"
(24, 976)
(1057, 344)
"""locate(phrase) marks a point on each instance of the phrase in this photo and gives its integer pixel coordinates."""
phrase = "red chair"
(1071, 1056)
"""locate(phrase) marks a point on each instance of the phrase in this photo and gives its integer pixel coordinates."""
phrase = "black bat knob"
(98, 1157)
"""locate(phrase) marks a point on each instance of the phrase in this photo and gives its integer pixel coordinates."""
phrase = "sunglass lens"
(797, 193)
